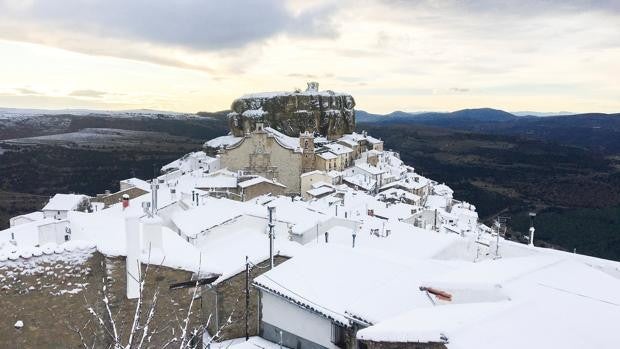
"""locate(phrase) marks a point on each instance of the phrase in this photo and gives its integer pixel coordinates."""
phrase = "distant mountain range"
(594, 131)
(480, 114)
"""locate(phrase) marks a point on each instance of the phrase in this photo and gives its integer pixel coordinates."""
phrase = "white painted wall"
(291, 318)
(53, 232)
(55, 214)
(310, 235)
(246, 222)
(151, 233)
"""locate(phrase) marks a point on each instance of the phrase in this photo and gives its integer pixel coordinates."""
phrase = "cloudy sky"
(191, 55)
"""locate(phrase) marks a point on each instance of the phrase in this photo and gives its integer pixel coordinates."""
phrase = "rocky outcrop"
(328, 113)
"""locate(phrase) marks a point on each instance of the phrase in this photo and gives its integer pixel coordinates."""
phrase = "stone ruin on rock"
(327, 113)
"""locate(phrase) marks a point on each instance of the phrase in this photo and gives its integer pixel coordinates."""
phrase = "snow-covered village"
(295, 230)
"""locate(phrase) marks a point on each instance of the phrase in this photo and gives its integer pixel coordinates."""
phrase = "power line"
(304, 298)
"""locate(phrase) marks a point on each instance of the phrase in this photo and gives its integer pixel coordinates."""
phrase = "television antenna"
(500, 230)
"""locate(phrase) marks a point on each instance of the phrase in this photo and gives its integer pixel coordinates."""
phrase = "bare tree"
(182, 335)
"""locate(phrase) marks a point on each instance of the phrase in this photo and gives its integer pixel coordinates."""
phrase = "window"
(338, 336)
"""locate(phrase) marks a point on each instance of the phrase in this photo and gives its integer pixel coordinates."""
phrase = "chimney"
(125, 201)
(152, 233)
(532, 215)
(132, 263)
(154, 188)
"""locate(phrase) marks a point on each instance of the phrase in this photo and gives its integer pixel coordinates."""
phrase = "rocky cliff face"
(328, 113)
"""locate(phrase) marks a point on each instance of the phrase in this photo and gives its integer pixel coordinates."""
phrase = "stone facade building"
(269, 153)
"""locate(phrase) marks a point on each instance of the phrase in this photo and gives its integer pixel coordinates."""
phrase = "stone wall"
(262, 188)
(115, 198)
(309, 179)
(403, 345)
(259, 153)
(228, 297)
(328, 113)
(53, 297)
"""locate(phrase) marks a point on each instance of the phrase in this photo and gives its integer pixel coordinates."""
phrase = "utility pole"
(247, 297)
(271, 226)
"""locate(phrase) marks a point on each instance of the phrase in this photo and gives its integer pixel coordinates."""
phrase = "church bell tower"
(306, 142)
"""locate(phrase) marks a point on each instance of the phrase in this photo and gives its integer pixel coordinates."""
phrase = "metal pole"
(247, 297)
(271, 225)
(532, 216)
(497, 241)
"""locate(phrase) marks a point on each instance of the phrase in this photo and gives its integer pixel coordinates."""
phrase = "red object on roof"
(443, 295)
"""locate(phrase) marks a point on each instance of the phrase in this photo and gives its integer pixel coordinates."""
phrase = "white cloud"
(191, 24)
(429, 54)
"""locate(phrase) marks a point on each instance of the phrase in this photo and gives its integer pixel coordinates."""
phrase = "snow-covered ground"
(21, 112)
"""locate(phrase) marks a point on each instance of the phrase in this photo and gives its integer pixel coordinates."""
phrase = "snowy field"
(99, 138)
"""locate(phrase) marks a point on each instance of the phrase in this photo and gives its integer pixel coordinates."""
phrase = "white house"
(61, 204)
(309, 300)
(37, 233)
(193, 161)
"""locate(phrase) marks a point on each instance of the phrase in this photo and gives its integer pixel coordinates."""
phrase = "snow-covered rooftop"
(64, 202)
(311, 280)
(257, 180)
(338, 149)
(361, 181)
(327, 155)
(320, 191)
(213, 212)
(223, 141)
(560, 301)
(397, 194)
(284, 140)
